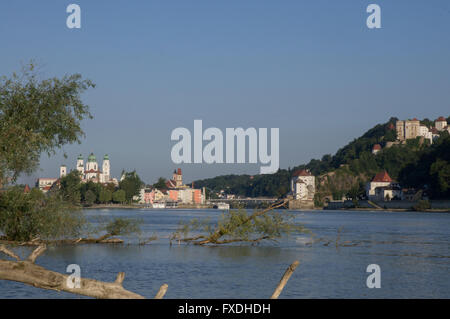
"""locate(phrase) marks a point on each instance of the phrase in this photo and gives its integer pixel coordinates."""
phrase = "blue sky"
(311, 68)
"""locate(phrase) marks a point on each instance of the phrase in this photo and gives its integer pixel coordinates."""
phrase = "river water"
(412, 250)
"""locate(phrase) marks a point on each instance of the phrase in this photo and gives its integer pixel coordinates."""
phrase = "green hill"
(414, 164)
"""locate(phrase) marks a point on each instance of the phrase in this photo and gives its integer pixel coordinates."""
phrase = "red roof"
(415, 119)
(376, 147)
(382, 177)
(441, 119)
(302, 172)
(26, 189)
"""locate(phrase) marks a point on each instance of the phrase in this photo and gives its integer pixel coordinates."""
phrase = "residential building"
(382, 187)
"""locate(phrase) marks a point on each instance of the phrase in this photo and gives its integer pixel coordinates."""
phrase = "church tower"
(62, 171)
(106, 169)
(91, 167)
(80, 165)
(178, 178)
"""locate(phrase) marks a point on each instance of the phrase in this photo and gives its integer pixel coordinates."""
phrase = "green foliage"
(70, 188)
(122, 226)
(240, 226)
(105, 196)
(38, 116)
(422, 205)
(25, 216)
(131, 185)
(119, 196)
(431, 169)
(90, 192)
(89, 198)
(160, 184)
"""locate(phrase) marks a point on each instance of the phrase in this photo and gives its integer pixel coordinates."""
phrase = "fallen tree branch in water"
(27, 272)
(285, 279)
(105, 239)
(237, 228)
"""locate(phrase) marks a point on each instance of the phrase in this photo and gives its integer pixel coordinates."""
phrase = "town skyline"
(414, 129)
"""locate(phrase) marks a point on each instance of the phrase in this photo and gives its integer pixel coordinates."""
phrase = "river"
(411, 248)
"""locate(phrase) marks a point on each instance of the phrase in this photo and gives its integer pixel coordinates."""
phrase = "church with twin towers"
(91, 170)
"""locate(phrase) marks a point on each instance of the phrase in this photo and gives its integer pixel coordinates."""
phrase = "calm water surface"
(412, 249)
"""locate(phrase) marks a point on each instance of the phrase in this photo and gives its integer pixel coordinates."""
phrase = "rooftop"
(382, 177)
(302, 172)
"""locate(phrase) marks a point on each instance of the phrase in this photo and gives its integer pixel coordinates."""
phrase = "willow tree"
(240, 226)
(38, 116)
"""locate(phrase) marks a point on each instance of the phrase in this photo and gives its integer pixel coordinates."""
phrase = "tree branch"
(37, 276)
(36, 253)
(8, 252)
(120, 278)
(29, 273)
(284, 279)
(162, 291)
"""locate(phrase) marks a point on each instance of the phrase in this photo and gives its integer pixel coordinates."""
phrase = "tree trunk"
(25, 271)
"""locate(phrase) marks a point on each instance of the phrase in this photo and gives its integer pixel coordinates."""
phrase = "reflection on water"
(412, 249)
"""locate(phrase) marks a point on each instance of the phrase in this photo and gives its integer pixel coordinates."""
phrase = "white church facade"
(91, 170)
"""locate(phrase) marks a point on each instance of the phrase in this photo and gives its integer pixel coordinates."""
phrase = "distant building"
(407, 129)
(44, 184)
(411, 129)
(441, 124)
(177, 180)
(175, 192)
(376, 149)
(303, 185)
(90, 172)
(426, 133)
(382, 188)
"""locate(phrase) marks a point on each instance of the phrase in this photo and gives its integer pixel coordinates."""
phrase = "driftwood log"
(288, 273)
(27, 272)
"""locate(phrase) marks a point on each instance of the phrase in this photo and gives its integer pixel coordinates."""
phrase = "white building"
(441, 124)
(45, 184)
(303, 185)
(426, 133)
(382, 187)
(91, 171)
